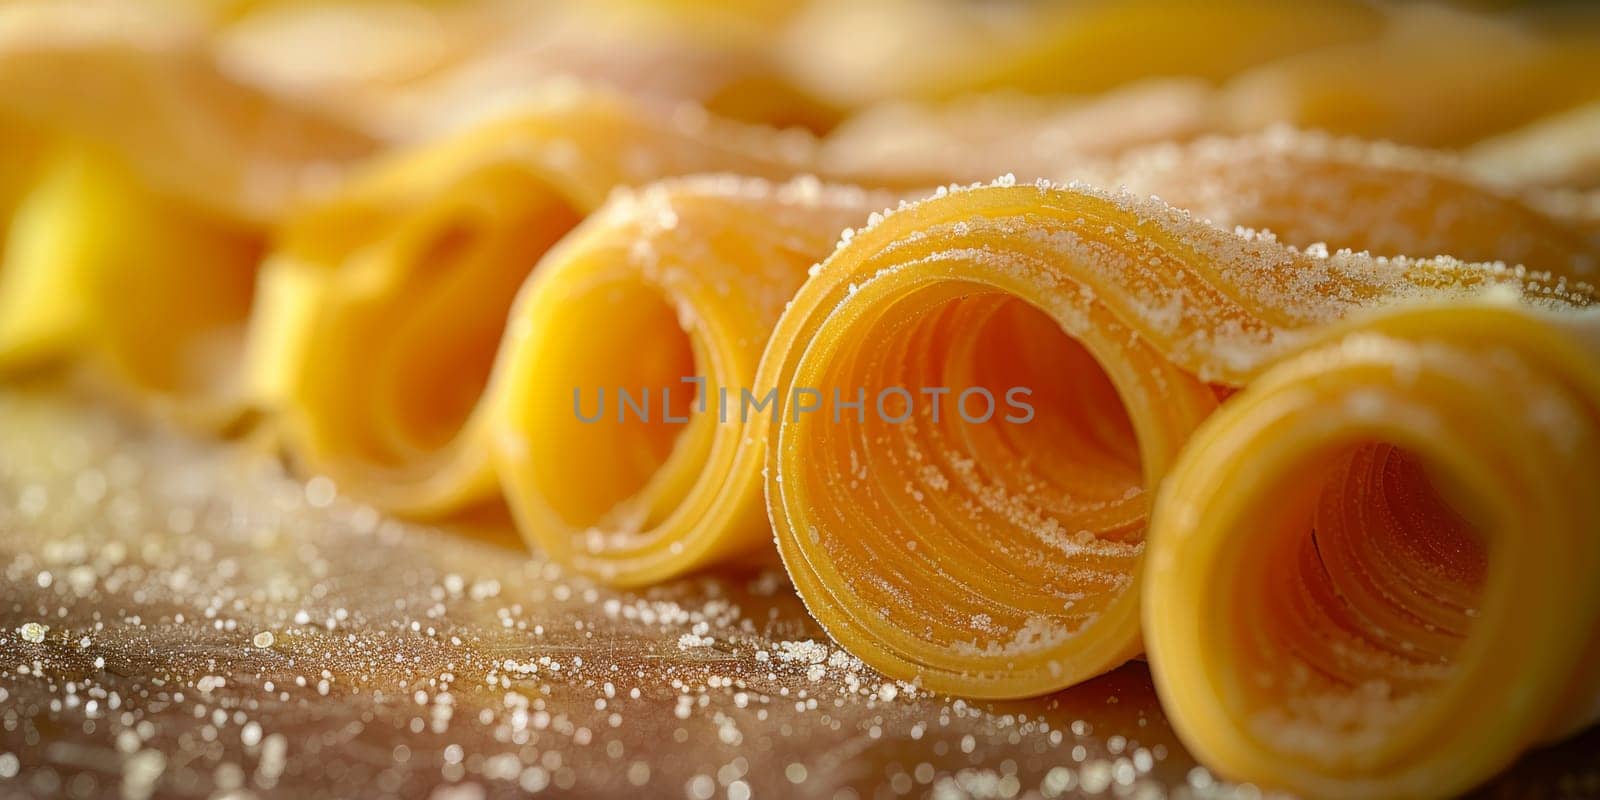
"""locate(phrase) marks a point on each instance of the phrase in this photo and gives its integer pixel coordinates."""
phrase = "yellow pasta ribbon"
(139, 183)
(668, 294)
(998, 559)
(406, 71)
(860, 53)
(382, 308)
(1437, 77)
(1561, 151)
(1309, 188)
(154, 291)
(1372, 572)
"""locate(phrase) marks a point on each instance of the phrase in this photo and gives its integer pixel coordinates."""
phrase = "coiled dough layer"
(140, 181)
(1371, 573)
(667, 294)
(1000, 559)
(383, 308)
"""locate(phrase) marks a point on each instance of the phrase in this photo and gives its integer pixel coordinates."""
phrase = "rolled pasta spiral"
(384, 306)
(996, 560)
(661, 516)
(95, 263)
(143, 266)
(1314, 420)
(668, 293)
(1382, 543)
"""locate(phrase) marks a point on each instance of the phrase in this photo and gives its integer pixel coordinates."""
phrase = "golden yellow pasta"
(1001, 557)
(859, 53)
(1314, 420)
(1437, 77)
(624, 430)
(978, 138)
(646, 525)
(383, 307)
(94, 262)
(1310, 188)
(136, 197)
(1305, 187)
(1372, 572)
(1560, 151)
(405, 71)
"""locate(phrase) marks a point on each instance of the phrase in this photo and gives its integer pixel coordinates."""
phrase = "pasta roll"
(992, 548)
(137, 193)
(1304, 186)
(383, 307)
(97, 263)
(625, 412)
(1383, 544)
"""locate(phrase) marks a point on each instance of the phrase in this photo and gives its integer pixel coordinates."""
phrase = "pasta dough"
(384, 306)
(1318, 426)
(670, 292)
(997, 560)
(1310, 188)
(96, 263)
(137, 203)
(1358, 584)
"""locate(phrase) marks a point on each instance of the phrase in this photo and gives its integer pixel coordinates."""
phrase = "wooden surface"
(217, 629)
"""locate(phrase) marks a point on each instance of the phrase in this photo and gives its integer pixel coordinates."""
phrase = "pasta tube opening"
(384, 306)
(1355, 598)
(626, 416)
(1176, 313)
(989, 462)
(625, 435)
(1377, 546)
(389, 357)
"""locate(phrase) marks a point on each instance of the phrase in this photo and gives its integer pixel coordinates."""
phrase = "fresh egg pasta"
(1372, 571)
(384, 306)
(626, 404)
(140, 184)
(993, 559)
(1313, 422)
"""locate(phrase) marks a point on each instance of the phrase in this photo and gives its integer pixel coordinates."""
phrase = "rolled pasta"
(1310, 188)
(663, 300)
(383, 307)
(137, 196)
(96, 264)
(1304, 186)
(1372, 572)
(1000, 559)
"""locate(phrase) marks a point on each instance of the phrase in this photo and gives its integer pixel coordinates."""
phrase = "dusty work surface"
(181, 619)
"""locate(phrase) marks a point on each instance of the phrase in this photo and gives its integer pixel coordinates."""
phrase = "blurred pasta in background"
(1301, 291)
